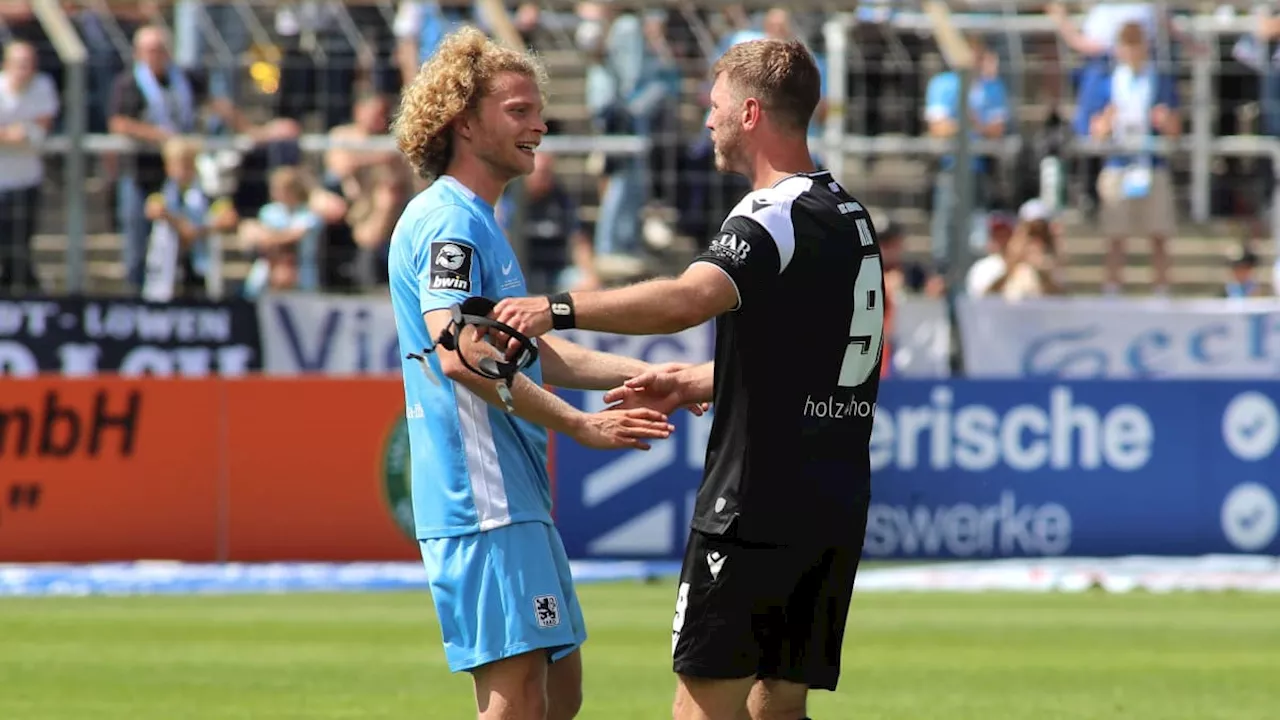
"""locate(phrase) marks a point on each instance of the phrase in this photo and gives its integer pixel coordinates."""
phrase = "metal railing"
(1199, 28)
(71, 50)
(1200, 145)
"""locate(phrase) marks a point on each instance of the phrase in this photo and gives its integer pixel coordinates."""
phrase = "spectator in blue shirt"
(988, 108)
(285, 237)
(1135, 189)
(420, 26)
(628, 92)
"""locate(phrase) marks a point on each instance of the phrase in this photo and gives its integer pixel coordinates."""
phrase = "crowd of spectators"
(322, 223)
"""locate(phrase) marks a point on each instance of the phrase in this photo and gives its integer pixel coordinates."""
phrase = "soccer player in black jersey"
(795, 282)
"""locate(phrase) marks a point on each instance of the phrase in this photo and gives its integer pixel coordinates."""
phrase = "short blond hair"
(291, 179)
(181, 148)
(453, 81)
(781, 74)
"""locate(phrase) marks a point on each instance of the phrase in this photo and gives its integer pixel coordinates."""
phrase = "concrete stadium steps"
(104, 271)
(1199, 258)
(898, 185)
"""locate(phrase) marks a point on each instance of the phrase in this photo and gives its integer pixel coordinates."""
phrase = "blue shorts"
(503, 592)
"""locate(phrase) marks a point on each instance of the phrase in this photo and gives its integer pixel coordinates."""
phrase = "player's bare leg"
(1160, 263)
(1114, 265)
(703, 699)
(778, 700)
(513, 688)
(564, 687)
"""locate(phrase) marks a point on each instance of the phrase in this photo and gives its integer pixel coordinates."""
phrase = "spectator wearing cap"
(1036, 209)
(990, 267)
(1031, 264)
(1242, 281)
(1020, 264)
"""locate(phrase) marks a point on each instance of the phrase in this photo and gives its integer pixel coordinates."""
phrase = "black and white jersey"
(797, 366)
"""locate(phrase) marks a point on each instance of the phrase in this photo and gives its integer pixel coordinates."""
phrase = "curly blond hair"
(452, 81)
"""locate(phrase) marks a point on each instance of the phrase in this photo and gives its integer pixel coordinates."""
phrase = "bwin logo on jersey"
(450, 257)
(731, 247)
(450, 266)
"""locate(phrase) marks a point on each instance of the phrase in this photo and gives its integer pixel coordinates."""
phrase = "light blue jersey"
(499, 576)
(474, 467)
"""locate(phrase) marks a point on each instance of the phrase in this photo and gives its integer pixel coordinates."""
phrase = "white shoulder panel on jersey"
(771, 207)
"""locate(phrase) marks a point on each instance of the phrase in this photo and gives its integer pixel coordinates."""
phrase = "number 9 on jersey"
(866, 328)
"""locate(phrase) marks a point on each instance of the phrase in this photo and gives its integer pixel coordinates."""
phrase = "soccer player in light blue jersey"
(499, 576)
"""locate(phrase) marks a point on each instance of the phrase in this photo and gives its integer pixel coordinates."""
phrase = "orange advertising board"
(247, 469)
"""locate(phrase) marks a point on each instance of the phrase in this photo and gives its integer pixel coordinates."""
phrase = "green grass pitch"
(907, 657)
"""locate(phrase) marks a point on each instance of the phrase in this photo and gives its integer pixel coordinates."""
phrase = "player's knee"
(782, 712)
(564, 687)
(513, 688)
(565, 710)
(710, 699)
(778, 700)
(683, 708)
(565, 704)
(686, 706)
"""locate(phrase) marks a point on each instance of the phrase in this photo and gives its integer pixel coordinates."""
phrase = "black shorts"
(763, 611)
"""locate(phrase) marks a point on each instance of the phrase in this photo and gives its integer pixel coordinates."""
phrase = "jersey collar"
(813, 176)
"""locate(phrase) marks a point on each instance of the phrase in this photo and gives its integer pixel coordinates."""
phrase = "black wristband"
(562, 315)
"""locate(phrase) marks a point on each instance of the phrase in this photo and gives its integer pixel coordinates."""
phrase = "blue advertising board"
(972, 469)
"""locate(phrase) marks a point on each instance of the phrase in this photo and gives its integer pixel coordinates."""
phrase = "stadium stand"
(889, 63)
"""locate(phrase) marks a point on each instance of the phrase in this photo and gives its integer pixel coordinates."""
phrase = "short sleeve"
(997, 109)
(196, 210)
(306, 220)
(408, 21)
(199, 82)
(273, 215)
(126, 99)
(1095, 94)
(447, 257)
(1099, 26)
(748, 254)
(46, 97)
(1168, 92)
(940, 98)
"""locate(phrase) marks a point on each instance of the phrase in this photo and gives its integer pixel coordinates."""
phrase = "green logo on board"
(397, 478)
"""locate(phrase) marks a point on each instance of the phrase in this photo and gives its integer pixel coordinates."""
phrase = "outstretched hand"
(622, 428)
(660, 388)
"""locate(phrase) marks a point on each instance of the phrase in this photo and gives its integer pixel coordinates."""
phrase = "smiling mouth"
(527, 147)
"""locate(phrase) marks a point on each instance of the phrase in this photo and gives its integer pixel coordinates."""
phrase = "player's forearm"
(657, 307)
(697, 384)
(528, 401)
(567, 365)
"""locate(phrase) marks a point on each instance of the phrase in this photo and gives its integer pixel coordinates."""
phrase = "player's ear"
(750, 113)
(463, 126)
